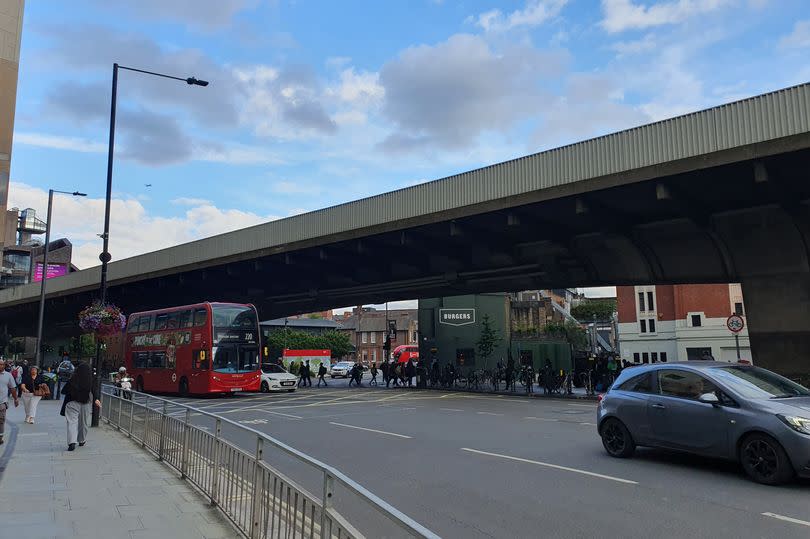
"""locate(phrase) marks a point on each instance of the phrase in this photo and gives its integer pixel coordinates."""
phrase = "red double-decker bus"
(194, 349)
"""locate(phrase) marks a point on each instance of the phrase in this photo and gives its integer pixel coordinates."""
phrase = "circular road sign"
(735, 323)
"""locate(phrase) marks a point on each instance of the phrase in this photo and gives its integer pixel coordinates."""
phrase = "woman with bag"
(33, 388)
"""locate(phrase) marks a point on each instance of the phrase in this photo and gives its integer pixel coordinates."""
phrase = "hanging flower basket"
(102, 319)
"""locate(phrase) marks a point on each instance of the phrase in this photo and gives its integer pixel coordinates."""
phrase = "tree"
(487, 340)
(571, 332)
(602, 308)
(339, 343)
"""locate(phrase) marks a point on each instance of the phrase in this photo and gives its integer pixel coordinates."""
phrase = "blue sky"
(314, 103)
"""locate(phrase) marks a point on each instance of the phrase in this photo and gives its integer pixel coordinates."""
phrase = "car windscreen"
(757, 383)
(272, 369)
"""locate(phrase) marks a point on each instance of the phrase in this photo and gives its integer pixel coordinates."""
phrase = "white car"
(341, 369)
(275, 378)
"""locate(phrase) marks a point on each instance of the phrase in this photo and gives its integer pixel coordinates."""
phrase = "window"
(140, 360)
(373, 337)
(173, 321)
(636, 357)
(738, 309)
(663, 357)
(641, 301)
(654, 357)
(684, 384)
(200, 317)
(696, 321)
(185, 319)
(374, 355)
(645, 357)
(651, 325)
(643, 325)
(695, 354)
(157, 359)
(650, 302)
(365, 355)
(160, 321)
(364, 337)
(640, 384)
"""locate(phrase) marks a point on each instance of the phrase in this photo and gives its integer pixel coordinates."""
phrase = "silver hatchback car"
(726, 410)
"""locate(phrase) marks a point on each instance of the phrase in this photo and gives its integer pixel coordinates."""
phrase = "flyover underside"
(746, 221)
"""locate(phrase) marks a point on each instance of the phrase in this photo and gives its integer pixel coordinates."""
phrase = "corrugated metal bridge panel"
(762, 118)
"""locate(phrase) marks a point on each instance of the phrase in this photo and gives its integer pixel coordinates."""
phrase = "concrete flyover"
(720, 195)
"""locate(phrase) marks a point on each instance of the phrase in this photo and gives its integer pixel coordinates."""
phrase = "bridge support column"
(778, 316)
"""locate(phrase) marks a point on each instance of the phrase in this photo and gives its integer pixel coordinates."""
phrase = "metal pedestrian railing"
(256, 496)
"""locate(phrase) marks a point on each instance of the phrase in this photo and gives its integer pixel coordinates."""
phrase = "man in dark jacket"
(321, 374)
(79, 396)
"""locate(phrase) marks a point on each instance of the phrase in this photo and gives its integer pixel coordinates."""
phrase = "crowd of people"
(73, 382)
(393, 372)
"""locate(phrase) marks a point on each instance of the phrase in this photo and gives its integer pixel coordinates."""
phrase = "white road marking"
(588, 424)
(787, 519)
(541, 418)
(33, 434)
(405, 409)
(487, 413)
(451, 409)
(282, 414)
(589, 406)
(555, 466)
(370, 430)
(253, 421)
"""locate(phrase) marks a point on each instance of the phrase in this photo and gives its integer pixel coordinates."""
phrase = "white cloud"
(621, 15)
(799, 38)
(133, 230)
(628, 48)
(362, 88)
(535, 13)
(57, 142)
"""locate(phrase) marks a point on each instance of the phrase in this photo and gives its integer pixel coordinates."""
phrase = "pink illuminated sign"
(54, 270)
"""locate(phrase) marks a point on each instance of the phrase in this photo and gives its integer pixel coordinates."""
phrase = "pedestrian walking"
(33, 388)
(308, 374)
(321, 374)
(373, 381)
(392, 375)
(79, 396)
(384, 369)
(355, 374)
(8, 387)
(50, 380)
(16, 373)
(410, 372)
(302, 375)
(63, 373)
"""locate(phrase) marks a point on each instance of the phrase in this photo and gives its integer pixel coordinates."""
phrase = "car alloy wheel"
(265, 387)
(765, 461)
(616, 439)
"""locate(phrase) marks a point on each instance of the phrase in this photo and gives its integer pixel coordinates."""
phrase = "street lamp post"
(38, 357)
(105, 256)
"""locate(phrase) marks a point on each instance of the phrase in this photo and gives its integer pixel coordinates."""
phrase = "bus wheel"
(139, 384)
(183, 387)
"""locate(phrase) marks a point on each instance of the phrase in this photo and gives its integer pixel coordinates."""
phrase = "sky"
(315, 103)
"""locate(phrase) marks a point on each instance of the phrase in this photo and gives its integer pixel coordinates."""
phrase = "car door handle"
(659, 406)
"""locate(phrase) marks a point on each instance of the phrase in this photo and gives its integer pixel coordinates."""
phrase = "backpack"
(16, 373)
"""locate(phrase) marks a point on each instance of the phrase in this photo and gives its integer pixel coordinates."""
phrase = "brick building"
(367, 326)
(680, 322)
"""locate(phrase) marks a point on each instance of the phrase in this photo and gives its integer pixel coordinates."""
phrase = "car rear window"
(638, 384)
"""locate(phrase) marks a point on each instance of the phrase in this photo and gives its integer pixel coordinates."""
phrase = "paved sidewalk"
(110, 488)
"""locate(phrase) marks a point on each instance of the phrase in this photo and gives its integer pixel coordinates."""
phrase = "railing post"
(131, 416)
(217, 457)
(145, 422)
(120, 405)
(258, 490)
(184, 454)
(326, 502)
(163, 419)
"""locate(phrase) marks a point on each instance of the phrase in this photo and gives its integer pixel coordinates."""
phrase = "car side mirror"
(709, 398)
